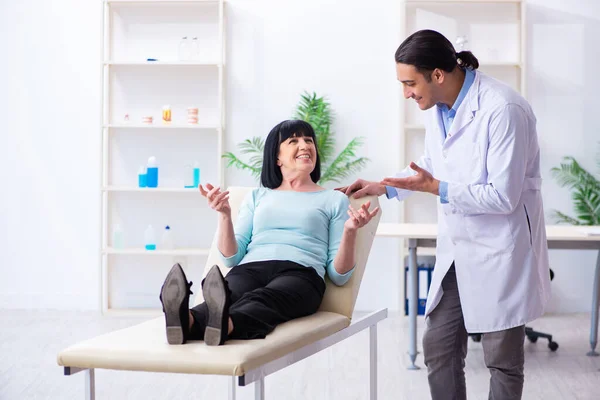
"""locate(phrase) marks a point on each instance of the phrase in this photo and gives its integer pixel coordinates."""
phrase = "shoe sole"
(173, 294)
(214, 296)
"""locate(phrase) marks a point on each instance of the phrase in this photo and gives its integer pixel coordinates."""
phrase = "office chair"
(531, 335)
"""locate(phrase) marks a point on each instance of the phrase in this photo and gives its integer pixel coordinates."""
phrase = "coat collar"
(464, 115)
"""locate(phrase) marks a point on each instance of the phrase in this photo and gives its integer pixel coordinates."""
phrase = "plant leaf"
(335, 171)
(571, 174)
(316, 111)
(585, 192)
(239, 164)
(563, 218)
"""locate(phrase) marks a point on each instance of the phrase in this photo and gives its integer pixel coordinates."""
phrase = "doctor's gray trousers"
(445, 350)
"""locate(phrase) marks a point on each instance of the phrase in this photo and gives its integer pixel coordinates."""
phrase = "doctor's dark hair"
(427, 50)
(270, 175)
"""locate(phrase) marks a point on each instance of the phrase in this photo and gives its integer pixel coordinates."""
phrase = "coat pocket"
(490, 235)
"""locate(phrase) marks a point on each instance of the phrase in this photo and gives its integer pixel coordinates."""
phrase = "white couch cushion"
(144, 347)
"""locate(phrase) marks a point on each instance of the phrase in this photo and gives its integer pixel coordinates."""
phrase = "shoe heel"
(172, 296)
(212, 336)
(174, 335)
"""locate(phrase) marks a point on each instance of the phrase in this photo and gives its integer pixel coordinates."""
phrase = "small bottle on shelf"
(195, 49)
(184, 49)
(167, 241)
(118, 239)
(166, 114)
(152, 173)
(142, 177)
(188, 177)
(196, 174)
(149, 238)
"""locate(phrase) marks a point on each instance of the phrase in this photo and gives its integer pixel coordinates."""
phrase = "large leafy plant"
(585, 192)
(317, 112)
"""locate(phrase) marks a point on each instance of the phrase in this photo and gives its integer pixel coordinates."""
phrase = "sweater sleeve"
(336, 228)
(243, 231)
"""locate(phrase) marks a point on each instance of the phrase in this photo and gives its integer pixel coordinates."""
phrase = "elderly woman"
(289, 234)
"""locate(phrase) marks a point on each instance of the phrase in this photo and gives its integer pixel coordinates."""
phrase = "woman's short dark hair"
(270, 175)
(427, 50)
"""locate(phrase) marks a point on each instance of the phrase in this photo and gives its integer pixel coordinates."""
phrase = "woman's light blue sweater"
(303, 227)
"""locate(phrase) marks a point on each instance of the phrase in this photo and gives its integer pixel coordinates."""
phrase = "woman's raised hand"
(361, 217)
(217, 200)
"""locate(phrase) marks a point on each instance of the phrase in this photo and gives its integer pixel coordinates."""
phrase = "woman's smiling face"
(297, 154)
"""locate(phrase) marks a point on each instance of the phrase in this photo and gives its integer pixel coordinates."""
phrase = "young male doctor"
(482, 159)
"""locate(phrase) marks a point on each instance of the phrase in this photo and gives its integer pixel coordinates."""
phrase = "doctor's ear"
(437, 75)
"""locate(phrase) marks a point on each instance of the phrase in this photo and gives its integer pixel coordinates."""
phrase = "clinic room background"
(51, 105)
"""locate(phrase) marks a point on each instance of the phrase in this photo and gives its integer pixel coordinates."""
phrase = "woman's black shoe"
(175, 298)
(218, 299)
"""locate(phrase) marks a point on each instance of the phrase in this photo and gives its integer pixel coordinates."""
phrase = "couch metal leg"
(373, 362)
(90, 385)
(232, 388)
(259, 389)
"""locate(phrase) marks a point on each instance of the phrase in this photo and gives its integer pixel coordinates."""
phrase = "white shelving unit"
(135, 31)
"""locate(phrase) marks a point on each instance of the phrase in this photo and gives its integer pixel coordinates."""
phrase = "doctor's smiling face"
(423, 87)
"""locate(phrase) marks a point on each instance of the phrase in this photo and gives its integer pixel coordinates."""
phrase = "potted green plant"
(585, 192)
(316, 111)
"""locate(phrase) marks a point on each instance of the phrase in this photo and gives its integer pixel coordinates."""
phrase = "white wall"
(49, 152)
(50, 107)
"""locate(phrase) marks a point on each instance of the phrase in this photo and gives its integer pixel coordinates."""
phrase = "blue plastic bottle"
(142, 177)
(152, 173)
(196, 174)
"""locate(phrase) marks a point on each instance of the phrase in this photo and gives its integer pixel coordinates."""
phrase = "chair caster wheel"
(476, 338)
(532, 339)
(553, 346)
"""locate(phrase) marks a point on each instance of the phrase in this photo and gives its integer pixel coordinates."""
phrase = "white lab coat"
(493, 226)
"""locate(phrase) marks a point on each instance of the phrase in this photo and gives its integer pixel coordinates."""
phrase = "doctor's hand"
(363, 188)
(423, 181)
(359, 218)
(217, 200)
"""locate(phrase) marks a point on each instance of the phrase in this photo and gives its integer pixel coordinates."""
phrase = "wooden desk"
(559, 237)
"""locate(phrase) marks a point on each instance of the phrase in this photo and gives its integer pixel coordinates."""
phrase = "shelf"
(135, 31)
(163, 63)
(158, 252)
(417, 2)
(160, 1)
(160, 126)
(157, 189)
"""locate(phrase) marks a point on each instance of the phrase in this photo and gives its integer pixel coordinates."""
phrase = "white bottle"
(168, 241)
(149, 238)
(118, 239)
(188, 177)
(195, 49)
(184, 49)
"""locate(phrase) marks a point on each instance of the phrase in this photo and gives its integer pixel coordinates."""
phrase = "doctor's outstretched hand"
(363, 188)
(423, 181)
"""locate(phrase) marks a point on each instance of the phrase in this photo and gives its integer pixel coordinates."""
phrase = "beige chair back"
(338, 299)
